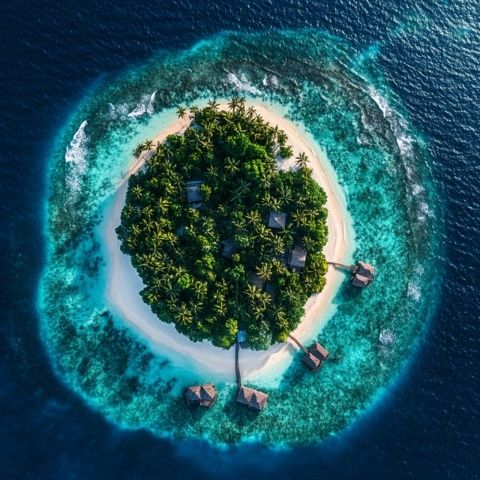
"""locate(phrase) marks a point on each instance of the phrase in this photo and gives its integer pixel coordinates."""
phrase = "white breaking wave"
(150, 109)
(144, 106)
(115, 111)
(273, 81)
(413, 291)
(417, 189)
(75, 152)
(75, 157)
(242, 84)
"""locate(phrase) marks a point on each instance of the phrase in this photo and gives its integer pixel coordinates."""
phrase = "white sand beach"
(124, 284)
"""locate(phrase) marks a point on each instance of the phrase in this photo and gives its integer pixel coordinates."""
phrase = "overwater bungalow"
(363, 275)
(229, 247)
(254, 399)
(314, 356)
(319, 351)
(194, 195)
(297, 258)
(311, 361)
(277, 220)
(201, 395)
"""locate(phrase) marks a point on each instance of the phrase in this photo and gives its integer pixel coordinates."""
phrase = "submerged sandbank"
(265, 367)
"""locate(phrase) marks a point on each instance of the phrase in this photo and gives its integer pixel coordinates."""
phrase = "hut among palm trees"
(363, 275)
(254, 399)
(277, 220)
(297, 258)
(256, 280)
(194, 195)
(201, 395)
(229, 247)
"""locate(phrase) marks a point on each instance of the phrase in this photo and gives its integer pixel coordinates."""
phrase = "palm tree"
(308, 243)
(281, 137)
(286, 152)
(264, 271)
(233, 104)
(251, 112)
(302, 160)
(184, 315)
(137, 192)
(253, 217)
(232, 165)
(213, 105)
(148, 144)
(241, 104)
(181, 112)
(138, 150)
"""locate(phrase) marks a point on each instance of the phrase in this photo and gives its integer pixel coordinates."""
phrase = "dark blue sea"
(54, 55)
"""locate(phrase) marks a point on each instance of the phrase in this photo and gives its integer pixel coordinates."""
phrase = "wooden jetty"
(254, 399)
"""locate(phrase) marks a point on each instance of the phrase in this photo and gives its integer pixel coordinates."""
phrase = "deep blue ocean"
(55, 54)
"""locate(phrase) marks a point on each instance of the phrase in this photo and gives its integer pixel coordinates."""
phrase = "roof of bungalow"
(270, 288)
(365, 269)
(277, 220)
(256, 280)
(229, 247)
(253, 398)
(311, 361)
(359, 280)
(193, 191)
(319, 351)
(297, 257)
(203, 395)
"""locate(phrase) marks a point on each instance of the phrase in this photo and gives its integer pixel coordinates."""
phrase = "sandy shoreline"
(124, 284)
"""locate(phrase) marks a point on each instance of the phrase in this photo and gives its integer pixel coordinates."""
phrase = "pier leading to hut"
(314, 356)
(363, 273)
(254, 399)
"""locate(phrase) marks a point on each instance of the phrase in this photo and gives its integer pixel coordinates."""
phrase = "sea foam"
(242, 84)
(75, 157)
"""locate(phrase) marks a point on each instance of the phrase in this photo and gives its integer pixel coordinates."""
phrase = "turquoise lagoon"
(341, 98)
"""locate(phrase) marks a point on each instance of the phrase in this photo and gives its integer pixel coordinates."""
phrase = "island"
(223, 239)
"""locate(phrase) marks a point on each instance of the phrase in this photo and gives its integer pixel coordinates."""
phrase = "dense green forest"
(207, 288)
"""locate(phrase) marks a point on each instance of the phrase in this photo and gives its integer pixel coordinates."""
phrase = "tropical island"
(222, 238)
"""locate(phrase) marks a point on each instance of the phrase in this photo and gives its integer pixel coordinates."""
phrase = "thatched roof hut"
(257, 281)
(194, 195)
(252, 398)
(315, 356)
(297, 257)
(360, 281)
(311, 361)
(277, 220)
(201, 395)
(363, 275)
(229, 247)
(365, 269)
(319, 351)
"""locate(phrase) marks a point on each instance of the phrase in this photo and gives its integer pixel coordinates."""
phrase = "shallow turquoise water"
(343, 101)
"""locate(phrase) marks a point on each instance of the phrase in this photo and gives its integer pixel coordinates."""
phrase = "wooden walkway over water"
(298, 343)
(342, 265)
(237, 366)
